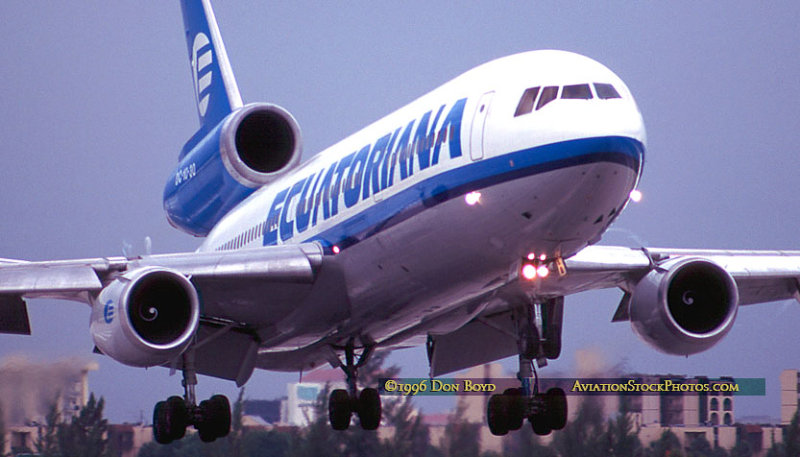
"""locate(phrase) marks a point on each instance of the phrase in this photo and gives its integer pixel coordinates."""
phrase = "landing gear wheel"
(339, 409)
(540, 424)
(556, 408)
(177, 417)
(215, 418)
(516, 408)
(220, 410)
(161, 431)
(369, 409)
(497, 414)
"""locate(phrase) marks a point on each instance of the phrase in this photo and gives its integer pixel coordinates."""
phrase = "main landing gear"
(212, 418)
(343, 403)
(538, 339)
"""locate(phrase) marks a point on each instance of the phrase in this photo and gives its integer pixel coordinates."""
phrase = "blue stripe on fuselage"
(477, 175)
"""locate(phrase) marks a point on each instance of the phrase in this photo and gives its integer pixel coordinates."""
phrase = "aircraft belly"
(409, 273)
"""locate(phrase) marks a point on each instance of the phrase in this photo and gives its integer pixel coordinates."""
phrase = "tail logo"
(201, 73)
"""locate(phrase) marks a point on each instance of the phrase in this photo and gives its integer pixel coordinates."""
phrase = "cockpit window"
(549, 94)
(578, 91)
(526, 102)
(606, 91)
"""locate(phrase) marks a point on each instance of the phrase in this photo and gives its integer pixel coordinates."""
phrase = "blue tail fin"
(215, 89)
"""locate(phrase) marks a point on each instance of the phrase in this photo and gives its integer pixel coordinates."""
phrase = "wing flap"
(14, 315)
(41, 278)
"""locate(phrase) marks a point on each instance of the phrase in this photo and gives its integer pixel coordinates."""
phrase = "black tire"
(516, 408)
(556, 408)
(206, 429)
(220, 409)
(177, 417)
(497, 414)
(540, 424)
(161, 432)
(339, 409)
(369, 409)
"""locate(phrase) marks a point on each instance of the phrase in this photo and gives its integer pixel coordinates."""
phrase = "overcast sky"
(96, 102)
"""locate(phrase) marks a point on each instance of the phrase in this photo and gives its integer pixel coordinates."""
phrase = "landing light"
(543, 257)
(472, 198)
(529, 271)
(531, 256)
(636, 195)
(336, 249)
(542, 271)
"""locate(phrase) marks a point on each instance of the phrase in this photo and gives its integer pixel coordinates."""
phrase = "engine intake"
(684, 306)
(146, 317)
(260, 142)
(251, 147)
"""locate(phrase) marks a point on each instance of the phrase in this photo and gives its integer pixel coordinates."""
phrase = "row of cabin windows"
(539, 97)
(404, 154)
(252, 234)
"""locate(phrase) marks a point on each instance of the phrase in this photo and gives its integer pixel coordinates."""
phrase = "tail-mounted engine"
(684, 306)
(146, 317)
(251, 147)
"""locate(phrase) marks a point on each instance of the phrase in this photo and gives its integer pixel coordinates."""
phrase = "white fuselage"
(393, 209)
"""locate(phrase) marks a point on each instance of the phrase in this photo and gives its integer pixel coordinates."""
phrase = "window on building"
(714, 419)
(549, 94)
(728, 419)
(727, 404)
(577, 92)
(606, 91)
(714, 404)
(525, 105)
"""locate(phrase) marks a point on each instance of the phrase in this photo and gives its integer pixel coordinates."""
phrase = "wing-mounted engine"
(684, 306)
(251, 147)
(146, 317)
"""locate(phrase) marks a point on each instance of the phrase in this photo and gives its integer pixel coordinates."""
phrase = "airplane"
(460, 221)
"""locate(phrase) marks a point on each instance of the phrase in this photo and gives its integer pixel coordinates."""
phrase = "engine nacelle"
(251, 147)
(146, 317)
(684, 306)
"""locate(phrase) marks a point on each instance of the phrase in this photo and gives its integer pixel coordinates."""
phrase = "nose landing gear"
(539, 339)
(343, 403)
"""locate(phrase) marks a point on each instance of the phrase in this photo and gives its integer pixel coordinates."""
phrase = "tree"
(584, 436)
(524, 443)
(621, 437)
(667, 445)
(87, 434)
(267, 443)
(47, 441)
(461, 438)
(791, 436)
(699, 447)
(411, 435)
(2, 431)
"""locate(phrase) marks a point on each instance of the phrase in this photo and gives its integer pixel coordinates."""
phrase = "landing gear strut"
(212, 418)
(343, 403)
(538, 339)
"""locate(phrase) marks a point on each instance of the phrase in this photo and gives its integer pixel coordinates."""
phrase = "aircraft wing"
(760, 276)
(234, 285)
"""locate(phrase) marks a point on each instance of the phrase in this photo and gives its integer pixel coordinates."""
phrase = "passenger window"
(606, 91)
(549, 94)
(525, 105)
(577, 92)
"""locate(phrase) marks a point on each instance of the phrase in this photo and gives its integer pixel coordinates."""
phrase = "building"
(28, 390)
(790, 393)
